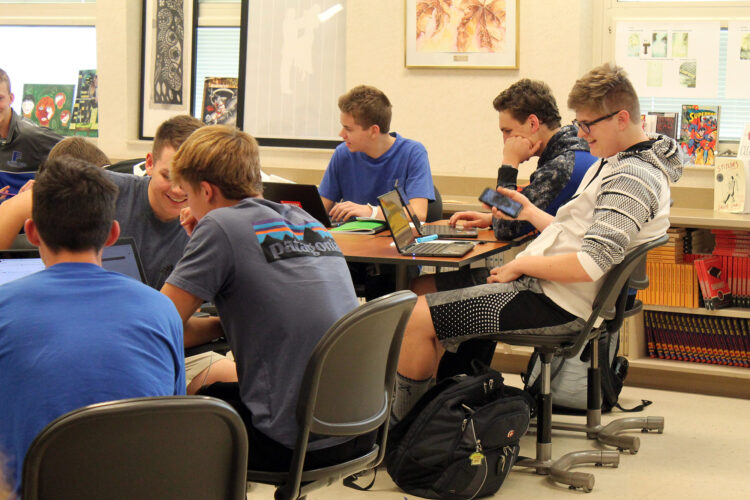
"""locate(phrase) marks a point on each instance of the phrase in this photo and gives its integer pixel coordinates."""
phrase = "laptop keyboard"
(429, 247)
(440, 230)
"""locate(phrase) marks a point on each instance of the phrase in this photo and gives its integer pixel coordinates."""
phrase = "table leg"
(402, 278)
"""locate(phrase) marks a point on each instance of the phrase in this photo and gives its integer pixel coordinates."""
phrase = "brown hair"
(80, 148)
(173, 132)
(224, 156)
(605, 89)
(368, 106)
(5, 78)
(529, 97)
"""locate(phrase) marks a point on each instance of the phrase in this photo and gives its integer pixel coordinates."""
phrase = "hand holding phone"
(494, 199)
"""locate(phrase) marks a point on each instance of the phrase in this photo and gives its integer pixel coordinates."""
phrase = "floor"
(697, 457)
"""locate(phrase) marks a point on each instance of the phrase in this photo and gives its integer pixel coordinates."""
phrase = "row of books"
(698, 339)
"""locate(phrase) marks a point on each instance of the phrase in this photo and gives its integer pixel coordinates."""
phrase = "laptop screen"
(120, 257)
(393, 211)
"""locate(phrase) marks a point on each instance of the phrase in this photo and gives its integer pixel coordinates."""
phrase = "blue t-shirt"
(361, 179)
(76, 334)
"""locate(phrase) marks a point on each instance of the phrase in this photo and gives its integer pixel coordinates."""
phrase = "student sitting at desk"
(370, 160)
(278, 280)
(148, 210)
(623, 201)
(75, 334)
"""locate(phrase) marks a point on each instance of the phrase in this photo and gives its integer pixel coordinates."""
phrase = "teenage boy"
(622, 202)
(23, 145)
(75, 334)
(250, 256)
(371, 160)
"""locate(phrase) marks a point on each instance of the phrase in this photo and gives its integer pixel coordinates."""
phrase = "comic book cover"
(48, 105)
(219, 101)
(699, 133)
(85, 119)
(731, 185)
(665, 124)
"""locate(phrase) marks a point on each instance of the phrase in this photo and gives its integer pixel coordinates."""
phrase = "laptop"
(404, 237)
(305, 196)
(441, 230)
(122, 257)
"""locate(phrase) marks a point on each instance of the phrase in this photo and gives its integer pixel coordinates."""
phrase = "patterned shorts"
(519, 306)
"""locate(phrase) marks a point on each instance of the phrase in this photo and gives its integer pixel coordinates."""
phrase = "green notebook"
(360, 227)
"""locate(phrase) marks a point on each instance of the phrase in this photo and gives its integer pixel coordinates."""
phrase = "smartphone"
(494, 199)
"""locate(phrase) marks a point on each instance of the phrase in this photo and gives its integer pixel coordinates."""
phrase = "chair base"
(558, 472)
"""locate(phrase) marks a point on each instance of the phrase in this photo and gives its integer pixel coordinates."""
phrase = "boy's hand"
(347, 210)
(517, 150)
(187, 221)
(3, 192)
(471, 219)
(515, 196)
(29, 184)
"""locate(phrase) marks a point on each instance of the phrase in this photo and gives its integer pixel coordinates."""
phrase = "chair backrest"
(177, 447)
(610, 302)
(434, 208)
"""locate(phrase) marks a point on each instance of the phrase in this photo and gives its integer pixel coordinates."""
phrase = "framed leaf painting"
(462, 34)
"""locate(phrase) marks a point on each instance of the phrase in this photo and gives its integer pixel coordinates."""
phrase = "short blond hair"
(80, 148)
(223, 156)
(605, 89)
(173, 132)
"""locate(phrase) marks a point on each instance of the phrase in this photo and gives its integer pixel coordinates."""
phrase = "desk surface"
(379, 249)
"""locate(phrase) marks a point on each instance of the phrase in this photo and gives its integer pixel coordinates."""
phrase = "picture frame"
(167, 63)
(450, 34)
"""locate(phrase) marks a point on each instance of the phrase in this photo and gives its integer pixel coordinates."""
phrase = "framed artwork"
(48, 105)
(85, 120)
(219, 101)
(476, 34)
(167, 61)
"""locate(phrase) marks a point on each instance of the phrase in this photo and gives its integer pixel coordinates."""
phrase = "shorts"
(519, 306)
(463, 278)
(196, 364)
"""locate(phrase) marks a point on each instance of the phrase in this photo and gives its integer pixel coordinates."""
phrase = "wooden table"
(380, 249)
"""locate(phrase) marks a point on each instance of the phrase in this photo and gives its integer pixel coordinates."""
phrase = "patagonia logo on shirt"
(280, 239)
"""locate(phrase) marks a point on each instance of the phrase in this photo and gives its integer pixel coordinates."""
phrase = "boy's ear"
(114, 233)
(31, 232)
(534, 122)
(207, 190)
(623, 118)
(374, 130)
(149, 163)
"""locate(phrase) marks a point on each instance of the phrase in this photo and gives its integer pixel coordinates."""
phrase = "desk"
(379, 249)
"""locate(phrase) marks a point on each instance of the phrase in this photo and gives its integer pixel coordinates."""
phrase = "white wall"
(450, 111)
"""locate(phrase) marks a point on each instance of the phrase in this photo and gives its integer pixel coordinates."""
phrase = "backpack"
(570, 377)
(461, 439)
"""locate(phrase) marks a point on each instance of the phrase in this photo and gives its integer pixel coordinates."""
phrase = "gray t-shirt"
(279, 281)
(160, 244)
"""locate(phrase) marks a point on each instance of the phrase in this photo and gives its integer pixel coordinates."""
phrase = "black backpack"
(570, 377)
(461, 439)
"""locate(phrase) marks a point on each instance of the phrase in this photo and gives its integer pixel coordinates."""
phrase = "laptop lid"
(305, 196)
(122, 257)
(393, 211)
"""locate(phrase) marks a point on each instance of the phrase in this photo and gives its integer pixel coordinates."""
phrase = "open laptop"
(404, 237)
(121, 257)
(305, 196)
(441, 230)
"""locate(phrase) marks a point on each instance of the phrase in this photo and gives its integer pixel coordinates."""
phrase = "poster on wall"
(219, 101)
(166, 61)
(663, 59)
(468, 34)
(738, 60)
(85, 120)
(48, 105)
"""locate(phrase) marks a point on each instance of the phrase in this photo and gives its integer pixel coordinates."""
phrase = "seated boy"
(623, 201)
(278, 280)
(371, 160)
(75, 334)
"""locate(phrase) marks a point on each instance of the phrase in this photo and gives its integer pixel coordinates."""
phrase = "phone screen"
(502, 203)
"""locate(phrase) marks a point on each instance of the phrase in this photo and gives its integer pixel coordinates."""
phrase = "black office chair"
(125, 166)
(609, 304)
(347, 391)
(175, 447)
(434, 208)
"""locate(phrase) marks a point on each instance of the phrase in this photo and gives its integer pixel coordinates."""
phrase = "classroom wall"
(449, 111)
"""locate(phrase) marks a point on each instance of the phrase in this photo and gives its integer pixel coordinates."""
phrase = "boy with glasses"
(623, 202)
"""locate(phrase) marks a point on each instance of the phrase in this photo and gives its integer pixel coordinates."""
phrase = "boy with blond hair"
(622, 202)
(250, 256)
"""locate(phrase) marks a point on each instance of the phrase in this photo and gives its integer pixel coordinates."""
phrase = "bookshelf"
(674, 375)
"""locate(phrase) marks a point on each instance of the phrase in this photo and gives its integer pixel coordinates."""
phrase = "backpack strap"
(349, 481)
(640, 407)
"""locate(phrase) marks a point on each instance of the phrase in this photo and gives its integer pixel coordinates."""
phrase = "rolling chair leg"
(543, 463)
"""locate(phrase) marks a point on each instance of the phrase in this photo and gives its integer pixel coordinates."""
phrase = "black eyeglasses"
(586, 126)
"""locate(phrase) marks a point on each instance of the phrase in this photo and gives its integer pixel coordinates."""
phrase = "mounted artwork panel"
(166, 61)
(476, 34)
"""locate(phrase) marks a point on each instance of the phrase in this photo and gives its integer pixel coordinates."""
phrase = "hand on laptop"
(348, 210)
(187, 221)
(471, 219)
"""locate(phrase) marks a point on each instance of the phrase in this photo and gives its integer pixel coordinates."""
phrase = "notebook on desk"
(406, 243)
(305, 196)
(122, 257)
